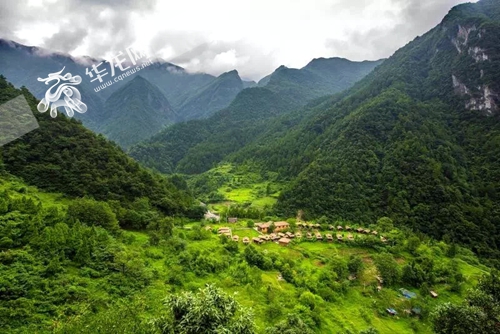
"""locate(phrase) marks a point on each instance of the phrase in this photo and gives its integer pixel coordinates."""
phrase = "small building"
(236, 238)
(309, 236)
(330, 227)
(290, 235)
(298, 235)
(379, 280)
(284, 241)
(434, 294)
(246, 241)
(407, 294)
(280, 226)
(319, 236)
(265, 237)
(329, 237)
(224, 230)
(317, 226)
(207, 228)
(339, 237)
(360, 230)
(350, 237)
(383, 239)
(263, 227)
(374, 232)
(348, 228)
(367, 231)
(391, 311)
(309, 226)
(232, 220)
(339, 228)
(256, 241)
(281, 235)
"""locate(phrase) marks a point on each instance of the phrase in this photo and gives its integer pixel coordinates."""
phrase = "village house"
(348, 228)
(232, 220)
(434, 294)
(298, 235)
(236, 238)
(278, 226)
(339, 237)
(340, 228)
(246, 241)
(256, 241)
(329, 237)
(309, 236)
(284, 241)
(330, 227)
(319, 236)
(374, 232)
(360, 230)
(224, 230)
(350, 237)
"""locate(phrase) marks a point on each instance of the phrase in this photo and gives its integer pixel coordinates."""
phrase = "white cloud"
(215, 36)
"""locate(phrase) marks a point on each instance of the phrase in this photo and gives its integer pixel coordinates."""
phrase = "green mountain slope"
(138, 108)
(320, 77)
(195, 147)
(217, 95)
(63, 156)
(416, 140)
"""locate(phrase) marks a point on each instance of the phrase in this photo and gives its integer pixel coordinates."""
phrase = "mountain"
(416, 140)
(63, 156)
(197, 93)
(215, 96)
(320, 77)
(137, 108)
(194, 147)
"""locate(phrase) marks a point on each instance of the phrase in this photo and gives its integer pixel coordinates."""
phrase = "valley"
(349, 197)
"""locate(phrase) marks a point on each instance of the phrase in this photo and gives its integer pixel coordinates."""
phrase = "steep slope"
(197, 93)
(416, 140)
(135, 112)
(320, 77)
(213, 97)
(63, 156)
(196, 146)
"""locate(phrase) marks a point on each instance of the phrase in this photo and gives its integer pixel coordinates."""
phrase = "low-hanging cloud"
(212, 39)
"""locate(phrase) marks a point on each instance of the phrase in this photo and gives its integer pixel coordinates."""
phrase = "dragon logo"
(63, 95)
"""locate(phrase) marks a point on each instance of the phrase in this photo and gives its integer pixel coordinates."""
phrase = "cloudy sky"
(215, 36)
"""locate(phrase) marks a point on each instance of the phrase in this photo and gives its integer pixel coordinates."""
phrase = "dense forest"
(196, 146)
(416, 139)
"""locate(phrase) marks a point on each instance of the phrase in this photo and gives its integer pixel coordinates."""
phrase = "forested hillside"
(138, 108)
(195, 147)
(417, 139)
(63, 156)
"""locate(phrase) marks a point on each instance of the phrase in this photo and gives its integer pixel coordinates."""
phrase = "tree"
(385, 224)
(387, 267)
(480, 313)
(293, 324)
(355, 265)
(412, 244)
(210, 310)
(93, 213)
(457, 319)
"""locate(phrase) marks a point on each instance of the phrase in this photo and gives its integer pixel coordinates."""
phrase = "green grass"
(240, 185)
(358, 309)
